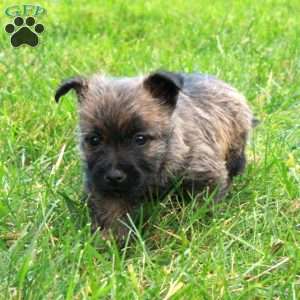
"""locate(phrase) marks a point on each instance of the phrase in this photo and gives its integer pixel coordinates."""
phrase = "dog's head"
(125, 127)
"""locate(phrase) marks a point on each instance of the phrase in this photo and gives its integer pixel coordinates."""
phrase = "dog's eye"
(140, 139)
(93, 140)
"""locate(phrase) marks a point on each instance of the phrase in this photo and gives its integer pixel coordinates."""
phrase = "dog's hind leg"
(236, 162)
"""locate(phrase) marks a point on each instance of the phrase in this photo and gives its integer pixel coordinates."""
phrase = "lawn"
(247, 247)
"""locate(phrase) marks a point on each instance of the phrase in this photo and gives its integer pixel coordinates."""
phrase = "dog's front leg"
(109, 215)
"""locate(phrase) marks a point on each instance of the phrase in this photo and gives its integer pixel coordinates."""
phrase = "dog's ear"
(164, 86)
(76, 83)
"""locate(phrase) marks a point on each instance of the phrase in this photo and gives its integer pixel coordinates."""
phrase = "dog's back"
(211, 124)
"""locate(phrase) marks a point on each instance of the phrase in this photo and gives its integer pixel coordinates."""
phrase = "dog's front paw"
(109, 217)
(119, 233)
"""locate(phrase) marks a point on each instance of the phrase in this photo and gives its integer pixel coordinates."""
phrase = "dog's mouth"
(133, 186)
(123, 191)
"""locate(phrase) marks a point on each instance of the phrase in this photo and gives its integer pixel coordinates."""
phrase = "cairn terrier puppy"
(138, 134)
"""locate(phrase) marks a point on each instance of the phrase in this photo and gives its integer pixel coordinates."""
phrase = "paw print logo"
(24, 34)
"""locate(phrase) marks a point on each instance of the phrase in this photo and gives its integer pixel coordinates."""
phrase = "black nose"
(114, 176)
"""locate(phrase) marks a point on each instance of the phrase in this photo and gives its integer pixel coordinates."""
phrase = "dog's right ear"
(76, 83)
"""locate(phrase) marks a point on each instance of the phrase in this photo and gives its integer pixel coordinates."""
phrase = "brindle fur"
(197, 128)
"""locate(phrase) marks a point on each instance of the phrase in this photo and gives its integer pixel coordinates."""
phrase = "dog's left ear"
(75, 83)
(165, 86)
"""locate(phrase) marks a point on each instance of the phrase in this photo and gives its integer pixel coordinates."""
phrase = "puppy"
(138, 134)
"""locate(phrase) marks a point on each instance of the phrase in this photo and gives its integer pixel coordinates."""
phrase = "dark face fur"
(125, 127)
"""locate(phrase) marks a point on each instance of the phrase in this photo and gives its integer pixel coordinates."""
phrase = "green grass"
(248, 247)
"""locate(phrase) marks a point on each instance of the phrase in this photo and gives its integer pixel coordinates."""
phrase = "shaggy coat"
(138, 134)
